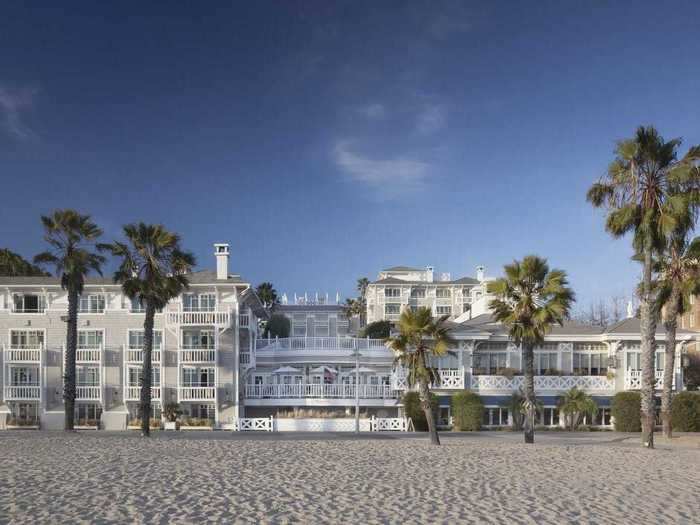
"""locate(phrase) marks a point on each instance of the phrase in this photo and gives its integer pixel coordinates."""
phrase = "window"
(197, 377)
(136, 339)
(91, 304)
(495, 417)
(443, 293)
(88, 376)
(417, 293)
(392, 292)
(489, 363)
(135, 374)
(24, 376)
(549, 417)
(633, 361)
(89, 338)
(545, 362)
(205, 302)
(443, 310)
(194, 339)
(29, 303)
(392, 309)
(27, 338)
(590, 364)
(87, 412)
(603, 417)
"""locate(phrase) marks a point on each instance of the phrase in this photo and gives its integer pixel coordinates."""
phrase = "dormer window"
(28, 303)
(92, 304)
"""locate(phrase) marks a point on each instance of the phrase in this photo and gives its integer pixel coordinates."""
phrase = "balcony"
(320, 344)
(219, 318)
(244, 320)
(633, 380)
(23, 355)
(133, 393)
(88, 355)
(88, 393)
(197, 355)
(135, 355)
(22, 393)
(450, 378)
(318, 391)
(481, 383)
(197, 393)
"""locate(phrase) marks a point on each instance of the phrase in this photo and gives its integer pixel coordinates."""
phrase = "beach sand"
(98, 477)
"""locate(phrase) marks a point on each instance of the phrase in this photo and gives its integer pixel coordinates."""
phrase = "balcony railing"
(88, 355)
(244, 320)
(23, 355)
(244, 358)
(22, 392)
(633, 380)
(320, 344)
(133, 393)
(494, 382)
(197, 355)
(318, 391)
(197, 393)
(199, 318)
(135, 355)
(88, 393)
(450, 378)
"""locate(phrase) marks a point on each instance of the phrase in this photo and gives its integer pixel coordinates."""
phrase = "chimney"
(429, 270)
(630, 310)
(480, 273)
(221, 253)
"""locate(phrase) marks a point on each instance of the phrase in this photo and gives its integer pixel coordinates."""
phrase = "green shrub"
(277, 326)
(685, 412)
(467, 410)
(626, 407)
(376, 330)
(414, 410)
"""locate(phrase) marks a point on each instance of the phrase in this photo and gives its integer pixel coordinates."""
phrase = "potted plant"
(170, 412)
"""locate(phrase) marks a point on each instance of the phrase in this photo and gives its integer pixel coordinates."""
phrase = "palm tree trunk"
(669, 360)
(425, 401)
(529, 372)
(648, 349)
(69, 379)
(146, 376)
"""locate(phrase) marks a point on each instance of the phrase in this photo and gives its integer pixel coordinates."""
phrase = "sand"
(109, 478)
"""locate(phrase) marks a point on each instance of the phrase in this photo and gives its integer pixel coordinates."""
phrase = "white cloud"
(12, 103)
(390, 177)
(373, 111)
(431, 120)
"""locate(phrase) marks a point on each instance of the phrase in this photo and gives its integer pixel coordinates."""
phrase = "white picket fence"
(390, 424)
(258, 424)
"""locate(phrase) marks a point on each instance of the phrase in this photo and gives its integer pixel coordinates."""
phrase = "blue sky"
(327, 140)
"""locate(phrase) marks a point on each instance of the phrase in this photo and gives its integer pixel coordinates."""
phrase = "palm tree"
(71, 237)
(514, 404)
(530, 299)
(421, 338)
(15, 265)
(574, 405)
(268, 295)
(643, 191)
(153, 271)
(679, 279)
(358, 306)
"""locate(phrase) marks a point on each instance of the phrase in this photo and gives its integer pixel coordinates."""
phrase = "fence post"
(272, 424)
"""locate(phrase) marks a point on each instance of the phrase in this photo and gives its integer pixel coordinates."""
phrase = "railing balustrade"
(197, 393)
(244, 320)
(88, 355)
(320, 344)
(199, 318)
(135, 355)
(22, 392)
(87, 393)
(133, 393)
(633, 379)
(197, 355)
(495, 382)
(23, 354)
(306, 390)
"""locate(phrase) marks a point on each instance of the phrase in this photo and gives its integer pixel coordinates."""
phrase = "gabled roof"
(403, 269)
(488, 323)
(396, 280)
(198, 277)
(633, 325)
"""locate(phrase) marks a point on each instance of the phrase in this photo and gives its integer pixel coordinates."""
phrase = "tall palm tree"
(679, 278)
(73, 253)
(267, 294)
(362, 285)
(574, 405)
(421, 338)
(153, 271)
(643, 192)
(530, 299)
(15, 265)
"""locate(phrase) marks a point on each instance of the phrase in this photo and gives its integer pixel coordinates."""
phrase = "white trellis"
(246, 424)
(390, 424)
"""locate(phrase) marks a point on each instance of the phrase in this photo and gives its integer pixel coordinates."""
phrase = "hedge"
(626, 408)
(414, 410)
(685, 412)
(467, 410)
(377, 330)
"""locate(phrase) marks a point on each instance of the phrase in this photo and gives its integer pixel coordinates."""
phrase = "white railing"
(390, 424)
(320, 344)
(133, 393)
(247, 424)
(197, 393)
(493, 382)
(23, 355)
(135, 355)
(244, 320)
(22, 392)
(450, 378)
(217, 318)
(88, 355)
(244, 358)
(305, 390)
(197, 355)
(88, 393)
(633, 380)
(16, 310)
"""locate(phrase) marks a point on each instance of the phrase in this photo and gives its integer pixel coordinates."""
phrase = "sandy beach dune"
(93, 477)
